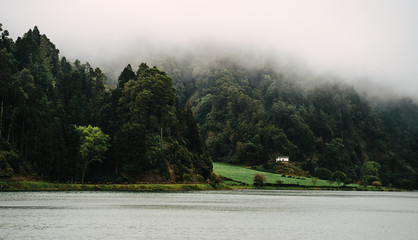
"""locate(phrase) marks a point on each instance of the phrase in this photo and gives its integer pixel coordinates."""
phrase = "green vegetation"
(94, 143)
(168, 124)
(259, 179)
(135, 132)
(246, 176)
(214, 179)
(377, 184)
(250, 114)
(44, 186)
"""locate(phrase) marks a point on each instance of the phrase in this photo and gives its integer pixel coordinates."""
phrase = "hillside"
(246, 175)
(167, 124)
(60, 121)
(251, 113)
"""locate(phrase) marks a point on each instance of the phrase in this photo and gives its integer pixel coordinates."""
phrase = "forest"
(66, 122)
(250, 115)
(60, 121)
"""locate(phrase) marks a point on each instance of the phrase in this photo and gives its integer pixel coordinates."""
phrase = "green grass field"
(246, 175)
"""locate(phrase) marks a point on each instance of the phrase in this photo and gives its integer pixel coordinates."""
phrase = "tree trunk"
(11, 124)
(1, 118)
(21, 137)
(25, 155)
(84, 172)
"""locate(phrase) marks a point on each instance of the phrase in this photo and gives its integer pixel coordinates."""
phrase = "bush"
(377, 184)
(259, 179)
(323, 173)
(370, 168)
(406, 184)
(348, 181)
(369, 179)
(339, 176)
(187, 177)
(279, 182)
(199, 178)
(214, 179)
(7, 158)
(314, 181)
(5, 170)
(270, 166)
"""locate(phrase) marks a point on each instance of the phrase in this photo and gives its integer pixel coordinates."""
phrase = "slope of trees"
(167, 126)
(153, 136)
(46, 101)
(250, 115)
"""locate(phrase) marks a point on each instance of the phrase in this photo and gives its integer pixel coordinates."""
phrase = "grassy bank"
(6, 185)
(239, 174)
(45, 186)
(237, 177)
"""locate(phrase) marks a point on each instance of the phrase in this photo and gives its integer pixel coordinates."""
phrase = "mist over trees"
(53, 113)
(169, 126)
(250, 115)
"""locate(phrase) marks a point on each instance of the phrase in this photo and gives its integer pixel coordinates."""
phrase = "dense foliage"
(58, 119)
(250, 115)
(94, 144)
(169, 130)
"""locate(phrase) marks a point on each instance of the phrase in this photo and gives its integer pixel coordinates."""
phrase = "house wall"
(282, 159)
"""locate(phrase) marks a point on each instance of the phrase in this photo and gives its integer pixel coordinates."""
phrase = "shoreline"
(15, 186)
(11, 186)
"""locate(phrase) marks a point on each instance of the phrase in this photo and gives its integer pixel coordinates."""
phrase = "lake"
(246, 214)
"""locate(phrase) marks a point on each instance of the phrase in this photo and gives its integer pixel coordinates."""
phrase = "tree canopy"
(168, 124)
(252, 114)
(93, 145)
(43, 97)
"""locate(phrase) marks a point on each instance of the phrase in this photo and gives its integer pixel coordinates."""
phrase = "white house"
(282, 159)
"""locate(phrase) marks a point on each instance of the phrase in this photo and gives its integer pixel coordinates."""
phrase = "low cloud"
(373, 40)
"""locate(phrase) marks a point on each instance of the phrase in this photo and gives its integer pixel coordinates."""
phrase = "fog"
(370, 43)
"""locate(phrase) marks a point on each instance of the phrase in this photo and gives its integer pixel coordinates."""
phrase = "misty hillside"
(60, 122)
(252, 114)
(168, 123)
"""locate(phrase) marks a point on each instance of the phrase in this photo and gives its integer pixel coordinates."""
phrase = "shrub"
(279, 182)
(187, 177)
(406, 184)
(259, 179)
(7, 158)
(339, 176)
(370, 168)
(5, 170)
(214, 179)
(369, 179)
(314, 181)
(199, 178)
(377, 184)
(323, 173)
(271, 166)
(347, 181)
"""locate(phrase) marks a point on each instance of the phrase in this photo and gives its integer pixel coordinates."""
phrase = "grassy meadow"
(236, 177)
(246, 176)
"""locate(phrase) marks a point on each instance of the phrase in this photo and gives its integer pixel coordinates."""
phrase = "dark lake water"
(209, 215)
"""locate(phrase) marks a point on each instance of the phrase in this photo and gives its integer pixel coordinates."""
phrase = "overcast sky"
(377, 39)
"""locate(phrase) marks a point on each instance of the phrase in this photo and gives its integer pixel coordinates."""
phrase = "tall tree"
(93, 146)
